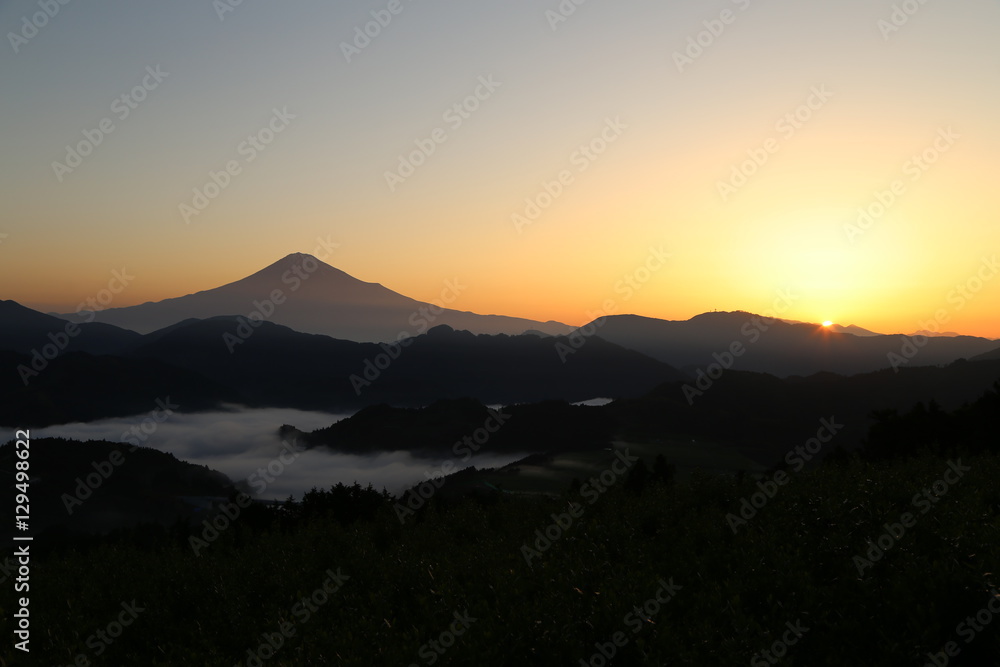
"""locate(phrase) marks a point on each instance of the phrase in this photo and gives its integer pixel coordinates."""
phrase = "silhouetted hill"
(201, 363)
(274, 366)
(315, 297)
(759, 415)
(130, 486)
(987, 356)
(446, 428)
(768, 416)
(972, 428)
(776, 347)
(76, 386)
(280, 367)
(23, 330)
(854, 330)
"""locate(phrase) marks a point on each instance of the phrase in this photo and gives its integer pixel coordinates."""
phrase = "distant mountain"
(320, 299)
(203, 363)
(853, 329)
(80, 387)
(277, 366)
(23, 330)
(777, 347)
(766, 416)
(987, 356)
(935, 334)
(757, 415)
(441, 429)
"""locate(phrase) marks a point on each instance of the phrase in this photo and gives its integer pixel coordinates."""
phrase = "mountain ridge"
(224, 359)
(311, 296)
(745, 341)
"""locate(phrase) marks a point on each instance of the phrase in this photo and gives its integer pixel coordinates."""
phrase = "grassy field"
(659, 575)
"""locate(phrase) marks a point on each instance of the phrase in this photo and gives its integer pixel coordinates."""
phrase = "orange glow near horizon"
(657, 297)
(876, 208)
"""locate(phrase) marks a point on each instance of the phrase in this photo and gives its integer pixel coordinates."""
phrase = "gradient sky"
(656, 186)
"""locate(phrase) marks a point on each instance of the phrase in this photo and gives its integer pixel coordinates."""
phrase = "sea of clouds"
(239, 442)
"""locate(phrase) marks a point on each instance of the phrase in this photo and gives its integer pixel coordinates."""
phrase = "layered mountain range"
(750, 342)
(301, 333)
(55, 371)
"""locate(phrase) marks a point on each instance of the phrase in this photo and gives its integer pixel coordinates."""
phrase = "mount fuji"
(303, 293)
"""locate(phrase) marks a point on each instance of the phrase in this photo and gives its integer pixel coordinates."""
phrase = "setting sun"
(827, 323)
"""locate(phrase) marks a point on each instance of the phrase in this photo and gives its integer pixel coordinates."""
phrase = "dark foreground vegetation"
(398, 587)
(887, 556)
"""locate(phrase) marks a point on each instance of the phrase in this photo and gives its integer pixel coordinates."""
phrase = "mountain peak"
(297, 259)
(299, 256)
(305, 293)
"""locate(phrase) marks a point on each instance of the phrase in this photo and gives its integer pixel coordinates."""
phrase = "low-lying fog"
(237, 443)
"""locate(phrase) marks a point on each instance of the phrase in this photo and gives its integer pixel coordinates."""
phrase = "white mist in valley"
(240, 443)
